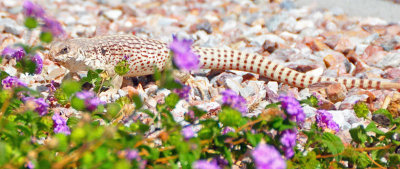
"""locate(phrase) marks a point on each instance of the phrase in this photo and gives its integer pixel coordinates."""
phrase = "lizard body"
(104, 52)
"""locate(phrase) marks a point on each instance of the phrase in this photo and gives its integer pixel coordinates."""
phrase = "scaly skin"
(104, 52)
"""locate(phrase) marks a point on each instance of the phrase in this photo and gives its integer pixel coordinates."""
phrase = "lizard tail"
(227, 59)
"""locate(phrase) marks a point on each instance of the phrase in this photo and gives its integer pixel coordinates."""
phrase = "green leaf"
(113, 109)
(229, 117)
(62, 142)
(311, 101)
(78, 104)
(394, 160)
(372, 127)
(138, 101)
(31, 23)
(359, 135)
(26, 65)
(171, 100)
(123, 100)
(72, 121)
(5, 153)
(70, 87)
(78, 134)
(333, 143)
(362, 160)
(61, 96)
(197, 112)
(46, 37)
(385, 113)
(122, 68)
(254, 139)
(361, 109)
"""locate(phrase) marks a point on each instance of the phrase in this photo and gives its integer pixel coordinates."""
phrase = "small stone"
(113, 14)
(11, 26)
(390, 60)
(381, 119)
(336, 92)
(205, 26)
(392, 73)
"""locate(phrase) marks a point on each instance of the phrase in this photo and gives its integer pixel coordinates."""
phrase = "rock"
(113, 14)
(350, 100)
(392, 73)
(381, 119)
(390, 60)
(205, 26)
(336, 92)
(11, 26)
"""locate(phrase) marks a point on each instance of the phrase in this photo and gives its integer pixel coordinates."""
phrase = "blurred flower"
(60, 124)
(188, 132)
(18, 53)
(324, 120)
(184, 58)
(33, 10)
(204, 164)
(131, 154)
(11, 81)
(288, 140)
(236, 101)
(267, 157)
(292, 107)
(39, 63)
(30, 165)
(183, 92)
(227, 130)
(53, 26)
(91, 101)
(220, 161)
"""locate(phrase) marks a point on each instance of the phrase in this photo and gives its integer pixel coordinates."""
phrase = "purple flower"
(188, 132)
(91, 101)
(292, 107)
(183, 92)
(11, 81)
(324, 120)
(60, 124)
(132, 154)
(236, 101)
(204, 164)
(18, 53)
(39, 63)
(41, 106)
(227, 130)
(30, 165)
(33, 10)
(267, 157)
(53, 26)
(288, 141)
(184, 58)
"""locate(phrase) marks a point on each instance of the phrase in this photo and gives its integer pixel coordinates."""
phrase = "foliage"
(100, 138)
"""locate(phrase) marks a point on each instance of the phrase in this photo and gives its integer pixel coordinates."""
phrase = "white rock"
(273, 85)
(113, 14)
(390, 60)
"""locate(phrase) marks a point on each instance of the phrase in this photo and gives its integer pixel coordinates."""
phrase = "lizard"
(104, 52)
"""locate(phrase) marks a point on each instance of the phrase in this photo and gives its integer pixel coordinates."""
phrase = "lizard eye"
(64, 50)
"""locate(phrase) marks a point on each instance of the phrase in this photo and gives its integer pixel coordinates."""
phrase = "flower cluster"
(236, 101)
(288, 141)
(91, 101)
(187, 132)
(11, 81)
(39, 63)
(36, 11)
(183, 92)
(184, 58)
(267, 157)
(17, 53)
(293, 108)
(41, 107)
(132, 154)
(324, 120)
(60, 124)
(204, 164)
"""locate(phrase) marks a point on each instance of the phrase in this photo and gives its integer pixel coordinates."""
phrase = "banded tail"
(227, 59)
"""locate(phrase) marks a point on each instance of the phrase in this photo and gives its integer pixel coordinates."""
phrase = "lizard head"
(69, 54)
